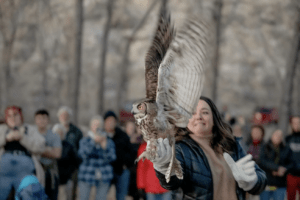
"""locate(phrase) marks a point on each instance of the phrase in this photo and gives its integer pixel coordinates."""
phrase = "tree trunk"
(77, 64)
(287, 92)
(298, 91)
(9, 38)
(216, 58)
(121, 90)
(102, 66)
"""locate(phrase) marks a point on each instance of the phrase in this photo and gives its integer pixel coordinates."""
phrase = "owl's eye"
(140, 107)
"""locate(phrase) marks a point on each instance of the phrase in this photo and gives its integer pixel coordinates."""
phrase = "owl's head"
(142, 108)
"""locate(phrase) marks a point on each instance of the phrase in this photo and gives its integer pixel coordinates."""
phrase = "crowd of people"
(54, 161)
(62, 158)
(279, 157)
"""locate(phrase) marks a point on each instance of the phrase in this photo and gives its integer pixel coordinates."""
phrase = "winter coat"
(34, 142)
(68, 162)
(197, 180)
(293, 142)
(124, 152)
(73, 136)
(270, 162)
(96, 160)
(146, 178)
(254, 149)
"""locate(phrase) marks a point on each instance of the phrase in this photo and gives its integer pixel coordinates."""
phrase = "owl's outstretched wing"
(181, 74)
(160, 44)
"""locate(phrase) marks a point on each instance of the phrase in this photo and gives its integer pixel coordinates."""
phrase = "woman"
(277, 161)
(206, 172)
(255, 142)
(18, 143)
(97, 152)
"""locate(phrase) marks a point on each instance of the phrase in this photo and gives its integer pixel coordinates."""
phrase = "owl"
(174, 75)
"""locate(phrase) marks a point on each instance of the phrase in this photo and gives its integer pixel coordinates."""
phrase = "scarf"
(224, 185)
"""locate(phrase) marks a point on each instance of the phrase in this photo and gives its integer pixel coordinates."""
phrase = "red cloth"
(293, 185)
(146, 177)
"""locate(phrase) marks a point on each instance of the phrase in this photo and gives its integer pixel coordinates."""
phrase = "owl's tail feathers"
(178, 169)
(174, 165)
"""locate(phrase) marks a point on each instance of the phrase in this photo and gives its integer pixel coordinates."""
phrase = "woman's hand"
(101, 140)
(243, 171)
(13, 135)
(281, 171)
(164, 154)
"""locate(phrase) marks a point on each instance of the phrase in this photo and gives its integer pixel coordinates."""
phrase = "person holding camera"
(97, 152)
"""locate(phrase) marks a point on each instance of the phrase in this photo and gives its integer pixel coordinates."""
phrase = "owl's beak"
(133, 112)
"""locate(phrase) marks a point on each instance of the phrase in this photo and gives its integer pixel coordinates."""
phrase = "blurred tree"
(9, 14)
(121, 89)
(101, 75)
(77, 57)
(47, 51)
(287, 91)
(217, 16)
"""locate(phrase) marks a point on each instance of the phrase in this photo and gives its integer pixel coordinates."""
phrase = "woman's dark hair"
(222, 132)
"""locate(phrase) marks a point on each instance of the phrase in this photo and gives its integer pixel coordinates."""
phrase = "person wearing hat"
(125, 157)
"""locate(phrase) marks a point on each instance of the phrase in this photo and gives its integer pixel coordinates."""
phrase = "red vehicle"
(265, 115)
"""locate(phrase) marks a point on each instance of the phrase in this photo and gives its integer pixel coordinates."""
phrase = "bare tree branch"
(103, 57)
(77, 64)
(216, 59)
(9, 36)
(121, 89)
(286, 95)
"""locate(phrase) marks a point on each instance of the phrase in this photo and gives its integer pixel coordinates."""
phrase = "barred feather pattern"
(160, 44)
(174, 75)
(181, 74)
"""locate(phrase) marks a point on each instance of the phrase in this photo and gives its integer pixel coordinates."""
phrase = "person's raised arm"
(32, 140)
(161, 164)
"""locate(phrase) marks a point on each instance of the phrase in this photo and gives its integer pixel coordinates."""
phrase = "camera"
(101, 132)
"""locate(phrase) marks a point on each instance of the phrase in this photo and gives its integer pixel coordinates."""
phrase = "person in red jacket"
(147, 180)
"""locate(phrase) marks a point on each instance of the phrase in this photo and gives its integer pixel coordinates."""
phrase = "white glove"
(243, 171)
(162, 160)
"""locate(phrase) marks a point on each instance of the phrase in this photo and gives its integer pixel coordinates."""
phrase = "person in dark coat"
(68, 162)
(213, 162)
(255, 142)
(124, 152)
(73, 136)
(293, 141)
(276, 162)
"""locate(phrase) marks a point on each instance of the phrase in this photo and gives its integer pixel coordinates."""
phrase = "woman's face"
(277, 137)
(64, 118)
(130, 128)
(201, 123)
(13, 118)
(256, 134)
(95, 124)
